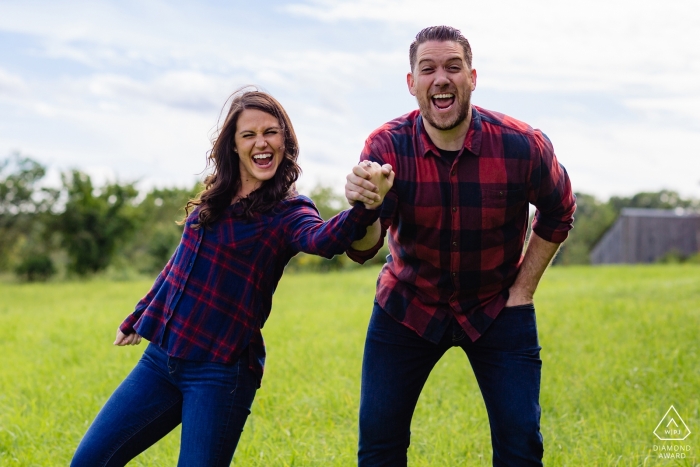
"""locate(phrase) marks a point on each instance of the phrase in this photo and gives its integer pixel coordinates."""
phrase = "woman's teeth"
(262, 159)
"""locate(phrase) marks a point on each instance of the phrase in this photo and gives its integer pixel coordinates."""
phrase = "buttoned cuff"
(361, 256)
(127, 326)
(360, 215)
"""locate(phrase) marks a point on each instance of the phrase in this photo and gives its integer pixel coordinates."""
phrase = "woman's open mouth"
(263, 160)
(443, 101)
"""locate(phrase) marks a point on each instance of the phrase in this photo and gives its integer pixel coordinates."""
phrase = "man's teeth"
(443, 96)
(262, 156)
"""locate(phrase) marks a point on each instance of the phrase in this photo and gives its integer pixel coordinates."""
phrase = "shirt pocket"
(500, 206)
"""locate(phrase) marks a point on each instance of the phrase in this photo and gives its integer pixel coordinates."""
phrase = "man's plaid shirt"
(215, 293)
(457, 230)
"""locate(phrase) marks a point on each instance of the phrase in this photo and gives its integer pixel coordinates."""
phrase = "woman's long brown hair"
(223, 184)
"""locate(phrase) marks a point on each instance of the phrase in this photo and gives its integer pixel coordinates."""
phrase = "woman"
(204, 313)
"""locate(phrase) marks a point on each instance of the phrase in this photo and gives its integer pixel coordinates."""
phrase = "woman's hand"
(368, 183)
(381, 179)
(123, 339)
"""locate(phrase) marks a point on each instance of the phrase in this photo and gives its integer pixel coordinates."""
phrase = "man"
(456, 218)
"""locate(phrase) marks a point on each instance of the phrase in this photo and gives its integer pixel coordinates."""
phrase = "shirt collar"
(472, 142)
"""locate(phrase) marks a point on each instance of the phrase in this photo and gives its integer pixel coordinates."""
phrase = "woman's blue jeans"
(506, 363)
(211, 400)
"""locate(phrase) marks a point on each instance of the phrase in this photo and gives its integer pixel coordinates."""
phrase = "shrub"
(36, 267)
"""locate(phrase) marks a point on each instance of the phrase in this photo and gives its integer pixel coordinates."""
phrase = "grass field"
(620, 345)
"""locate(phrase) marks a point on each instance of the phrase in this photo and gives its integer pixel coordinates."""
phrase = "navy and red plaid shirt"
(215, 293)
(457, 228)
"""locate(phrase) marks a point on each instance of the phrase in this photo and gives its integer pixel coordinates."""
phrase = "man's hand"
(361, 183)
(123, 339)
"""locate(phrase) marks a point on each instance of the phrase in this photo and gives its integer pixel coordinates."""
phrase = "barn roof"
(644, 212)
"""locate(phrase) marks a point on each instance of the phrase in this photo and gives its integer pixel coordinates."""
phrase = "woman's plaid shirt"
(457, 230)
(215, 293)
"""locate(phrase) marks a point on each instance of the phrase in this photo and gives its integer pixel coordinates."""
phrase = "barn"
(646, 235)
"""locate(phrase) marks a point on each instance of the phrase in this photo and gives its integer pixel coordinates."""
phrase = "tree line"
(80, 229)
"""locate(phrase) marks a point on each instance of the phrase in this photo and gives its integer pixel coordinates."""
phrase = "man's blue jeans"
(211, 400)
(506, 363)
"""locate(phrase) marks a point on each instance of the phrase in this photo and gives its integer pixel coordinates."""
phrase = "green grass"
(620, 345)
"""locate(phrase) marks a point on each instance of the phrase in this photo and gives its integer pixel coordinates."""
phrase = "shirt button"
(454, 243)
(454, 274)
(454, 209)
(452, 173)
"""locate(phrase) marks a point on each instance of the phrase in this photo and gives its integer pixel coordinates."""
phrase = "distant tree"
(36, 266)
(591, 220)
(157, 233)
(94, 221)
(18, 177)
(162, 243)
(664, 199)
(24, 207)
(328, 201)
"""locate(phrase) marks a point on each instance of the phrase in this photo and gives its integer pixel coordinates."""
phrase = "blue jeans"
(506, 363)
(211, 400)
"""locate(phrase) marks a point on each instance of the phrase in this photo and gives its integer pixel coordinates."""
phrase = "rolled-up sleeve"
(550, 193)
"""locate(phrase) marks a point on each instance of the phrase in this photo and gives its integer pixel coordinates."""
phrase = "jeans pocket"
(514, 328)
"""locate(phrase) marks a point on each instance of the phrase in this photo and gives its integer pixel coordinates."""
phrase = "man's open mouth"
(443, 101)
(263, 160)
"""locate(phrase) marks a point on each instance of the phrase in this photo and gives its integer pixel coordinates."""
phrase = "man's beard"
(427, 107)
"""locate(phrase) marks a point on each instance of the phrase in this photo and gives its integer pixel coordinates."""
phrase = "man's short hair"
(440, 34)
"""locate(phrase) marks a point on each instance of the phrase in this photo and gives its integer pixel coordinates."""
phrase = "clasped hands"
(368, 183)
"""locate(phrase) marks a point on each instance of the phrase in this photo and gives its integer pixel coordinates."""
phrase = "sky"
(132, 91)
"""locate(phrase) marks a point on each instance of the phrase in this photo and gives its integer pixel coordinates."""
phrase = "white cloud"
(683, 109)
(626, 158)
(639, 56)
(138, 87)
(11, 84)
(599, 44)
(182, 88)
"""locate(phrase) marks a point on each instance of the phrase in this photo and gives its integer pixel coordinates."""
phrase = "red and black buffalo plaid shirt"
(215, 293)
(457, 228)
